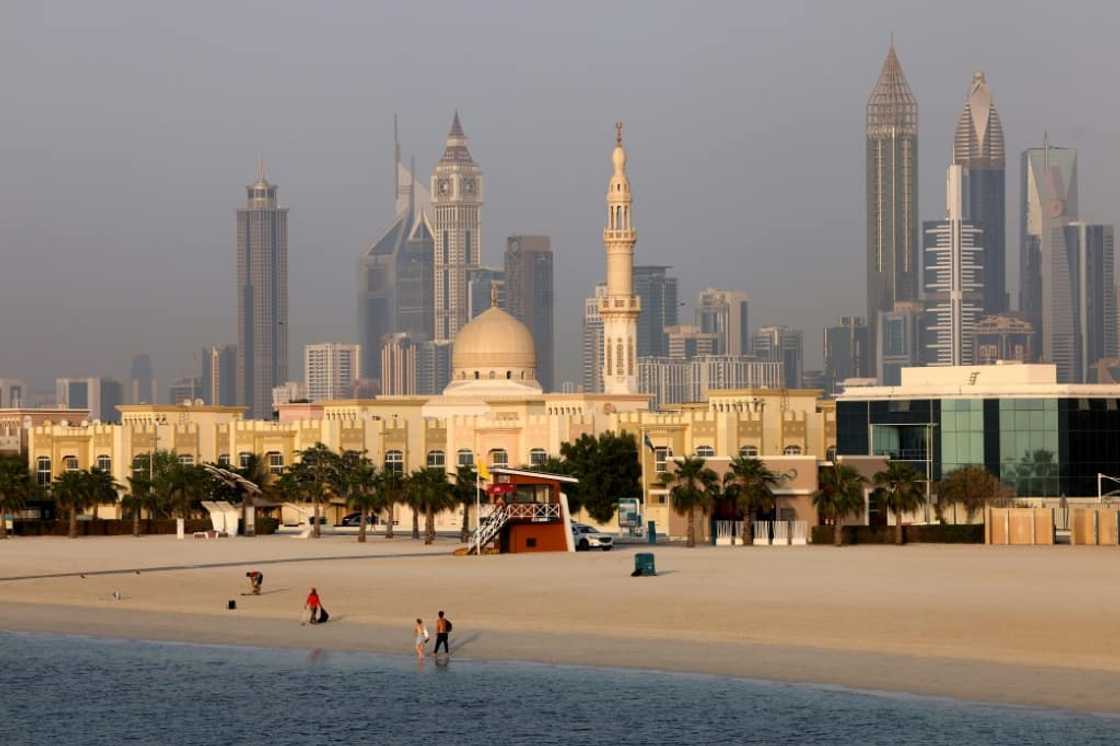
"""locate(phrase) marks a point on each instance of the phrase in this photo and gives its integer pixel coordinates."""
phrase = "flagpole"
(477, 514)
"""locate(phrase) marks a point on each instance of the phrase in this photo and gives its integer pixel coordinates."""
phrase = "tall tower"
(892, 192)
(978, 147)
(262, 296)
(457, 229)
(529, 296)
(620, 307)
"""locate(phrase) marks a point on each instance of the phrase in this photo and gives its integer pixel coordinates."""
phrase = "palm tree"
(898, 487)
(311, 476)
(76, 491)
(141, 496)
(356, 482)
(689, 489)
(16, 487)
(753, 485)
(971, 487)
(414, 496)
(391, 485)
(464, 489)
(439, 495)
(840, 495)
(185, 486)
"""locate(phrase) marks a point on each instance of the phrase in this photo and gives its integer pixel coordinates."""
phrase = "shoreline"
(1076, 690)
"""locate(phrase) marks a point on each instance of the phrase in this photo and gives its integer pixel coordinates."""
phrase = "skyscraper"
(952, 277)
(398, 365)
(899, 342)
(657, 293)
(847, 347)
(1048, 194)
(142, 386)
(780, 344)
(13, 393)
(892, 191)
(593, 342)
(978, 147)
(1091, 249)
(262, 296)
(481, 284)
(529, 297)
(686, 341)
(395, 273)
(330, 370)
(219, 375)
(724, 313)
(186, 389)
(457, 229)
(101, 396)
(620, 308)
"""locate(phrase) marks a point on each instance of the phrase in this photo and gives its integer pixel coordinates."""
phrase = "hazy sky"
(129, 129)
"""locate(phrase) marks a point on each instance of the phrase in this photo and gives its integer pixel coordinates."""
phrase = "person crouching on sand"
(313, 603)
(421, 638)
(256, 580)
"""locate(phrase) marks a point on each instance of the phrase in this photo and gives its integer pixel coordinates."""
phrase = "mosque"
(493, 411)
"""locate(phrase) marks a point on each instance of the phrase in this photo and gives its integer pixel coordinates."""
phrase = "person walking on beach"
(421, 638)
(256, 580)
(313, 603)
(443, 629)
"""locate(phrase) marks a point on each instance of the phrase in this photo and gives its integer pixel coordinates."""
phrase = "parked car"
(587, 538)
(355, 519)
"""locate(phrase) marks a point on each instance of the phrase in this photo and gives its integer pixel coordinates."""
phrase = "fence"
(780, 533)
(728, 531)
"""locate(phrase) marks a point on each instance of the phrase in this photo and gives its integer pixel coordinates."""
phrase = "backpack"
(446, 625)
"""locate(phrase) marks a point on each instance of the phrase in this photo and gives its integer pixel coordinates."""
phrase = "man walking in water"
(443, 629)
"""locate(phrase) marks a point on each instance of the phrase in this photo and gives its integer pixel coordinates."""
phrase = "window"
(43, 471)
(275, 462)
(705, 451)
(104, 463)
(660, 459)
(186, 459)
(436, 459)
(538, 457)
(792, 450)
(243, 459)
(748, 452)
(223, 460)
(70, 463)
(465, 457)
(394, 461)
(140, 464)
(499, 457)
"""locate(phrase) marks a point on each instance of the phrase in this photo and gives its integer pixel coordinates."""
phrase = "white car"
(586, 538)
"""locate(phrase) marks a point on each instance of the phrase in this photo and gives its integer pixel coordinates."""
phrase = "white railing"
(533, 511)
(492, 520)
(799, 531)
(488, 527)
(781, 533)
(762, 533)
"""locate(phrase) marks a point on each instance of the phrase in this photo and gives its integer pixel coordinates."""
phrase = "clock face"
(444, 186)
(468, 186)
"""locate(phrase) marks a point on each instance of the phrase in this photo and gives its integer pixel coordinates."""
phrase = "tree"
(752, 484)
(311, 477)
(185, 485)
(414, 496)
(356, 481)
(392, 485)
(141, 496)
(899, 491)
(464, 489)
(607, 468)
(80, 490)
(437, 495)
(971, 487)
(690, 488)
(839, 495)
(16, 488)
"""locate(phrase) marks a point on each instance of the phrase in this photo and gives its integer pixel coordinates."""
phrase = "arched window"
(748, 452)
(186, 459)
(104, 463)
(243, 459)
(223, 460)
(140, 464)
(509, 375)
(705, 451)
(43, 471)
(394, 461)
(436, 460)
(275, 461)
(538, 457)
(499, 457)
(465, 457)
(70, 463)
(792, 450)
(476, 375)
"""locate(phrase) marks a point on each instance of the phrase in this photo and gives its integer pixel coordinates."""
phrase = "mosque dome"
(496, 351)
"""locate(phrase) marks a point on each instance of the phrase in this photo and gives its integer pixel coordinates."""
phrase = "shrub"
(948, 533)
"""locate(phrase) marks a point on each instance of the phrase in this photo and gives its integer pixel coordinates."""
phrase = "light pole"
(1100, 477)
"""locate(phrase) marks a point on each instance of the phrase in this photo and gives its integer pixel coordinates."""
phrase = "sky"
(128, 131)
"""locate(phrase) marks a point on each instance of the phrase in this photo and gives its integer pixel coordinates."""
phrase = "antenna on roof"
(396, 161)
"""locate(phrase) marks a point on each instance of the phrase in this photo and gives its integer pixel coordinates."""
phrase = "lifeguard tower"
(527, 512)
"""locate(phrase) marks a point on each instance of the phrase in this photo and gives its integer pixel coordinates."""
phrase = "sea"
(80, 690)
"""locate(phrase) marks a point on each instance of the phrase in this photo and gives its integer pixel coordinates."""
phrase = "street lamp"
(1100, 493)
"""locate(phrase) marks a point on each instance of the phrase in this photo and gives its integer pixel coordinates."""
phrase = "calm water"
(66, 690)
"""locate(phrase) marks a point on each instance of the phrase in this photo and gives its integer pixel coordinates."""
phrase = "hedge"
(107, 527)
(948, 533)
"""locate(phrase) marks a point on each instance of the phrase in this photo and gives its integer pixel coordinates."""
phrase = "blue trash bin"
(643, 564)
(651, 532)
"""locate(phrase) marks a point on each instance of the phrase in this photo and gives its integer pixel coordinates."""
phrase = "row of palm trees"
(749, 486)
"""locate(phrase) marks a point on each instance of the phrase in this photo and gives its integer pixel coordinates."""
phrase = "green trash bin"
(643, 564)
(651, 532)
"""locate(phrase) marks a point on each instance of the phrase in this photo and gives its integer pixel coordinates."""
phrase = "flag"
(483, 471)
(647, 441)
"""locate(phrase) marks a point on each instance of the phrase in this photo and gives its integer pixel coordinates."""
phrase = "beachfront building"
(1046, 440)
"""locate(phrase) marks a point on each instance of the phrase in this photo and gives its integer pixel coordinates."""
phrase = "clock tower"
(619, 308)
(457, 228)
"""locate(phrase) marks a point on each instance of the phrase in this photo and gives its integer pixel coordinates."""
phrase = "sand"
(1017, 625)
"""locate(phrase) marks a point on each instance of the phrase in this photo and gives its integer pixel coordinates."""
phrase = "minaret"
(619, 308)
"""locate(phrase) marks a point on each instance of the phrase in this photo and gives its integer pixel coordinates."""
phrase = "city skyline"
(555, 203)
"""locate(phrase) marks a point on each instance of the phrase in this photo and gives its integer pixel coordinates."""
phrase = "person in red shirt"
(312, 603)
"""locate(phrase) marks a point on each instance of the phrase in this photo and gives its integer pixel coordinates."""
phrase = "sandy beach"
(1017, 625)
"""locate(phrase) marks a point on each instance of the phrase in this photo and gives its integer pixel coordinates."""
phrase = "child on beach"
(256, 580)
(422, 638)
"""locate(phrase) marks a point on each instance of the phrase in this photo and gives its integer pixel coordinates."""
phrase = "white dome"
(494, 352)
